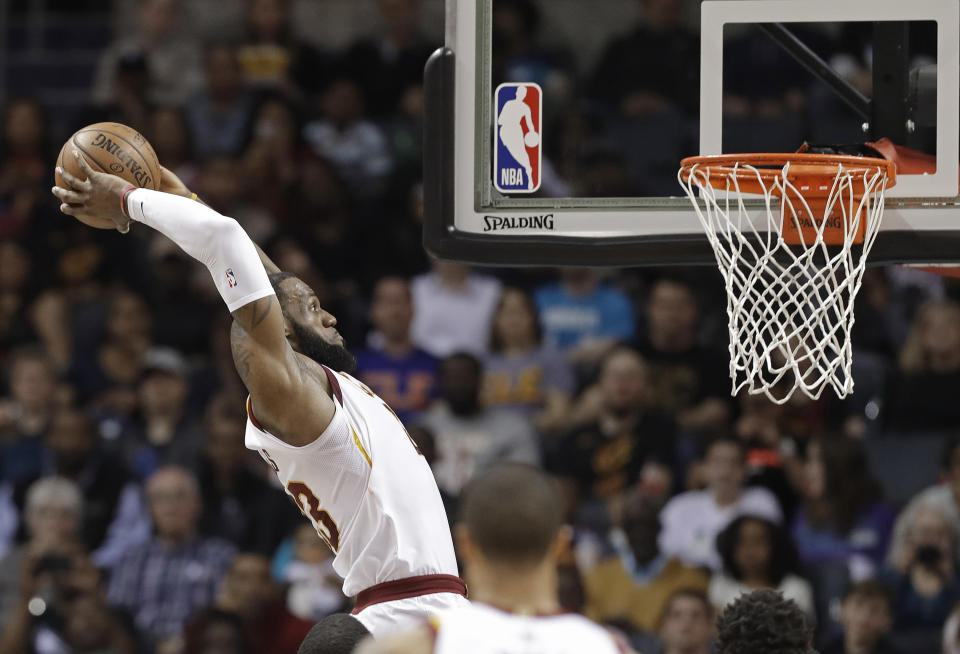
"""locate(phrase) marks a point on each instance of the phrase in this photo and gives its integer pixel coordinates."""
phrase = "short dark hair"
(464, 357)
(688, 593)
(513, 512)
(338, 633)
(783, 553)
(762, 622)
(276, 279)
(195, 629)
(870, 589)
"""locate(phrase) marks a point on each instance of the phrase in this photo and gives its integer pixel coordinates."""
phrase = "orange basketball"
(111, 148)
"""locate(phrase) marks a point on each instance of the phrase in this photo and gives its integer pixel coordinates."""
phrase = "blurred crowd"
(132, 518)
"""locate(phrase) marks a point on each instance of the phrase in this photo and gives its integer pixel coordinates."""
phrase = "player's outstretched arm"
(263, 357)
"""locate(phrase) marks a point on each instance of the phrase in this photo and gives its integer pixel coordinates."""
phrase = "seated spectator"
(345, 136)
(314, 587)
(624, 443)
(392, 365)
(866, 616)
(219, 114)
(453, 309)
(172, 56)
(162, 432)
(692, 520)
(632, 586)
(582, 317)
(922, 567)
(389, 66)
(105, 379)
(272, 57)
(213, 630)
(52, 518)
(25, 415)
(170, 136)
(686, 626)
(945, 494)
(93, 627)
(843, 527)
(165, 580)
(469, 437)
(919, 396)
(272, 157)
(238, 505)
(689, 381)
(24, 169)
(249, 592)
(625, 80)
(521, 374)
(757, 553)
(112, 518)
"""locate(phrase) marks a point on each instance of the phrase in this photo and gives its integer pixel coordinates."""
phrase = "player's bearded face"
(311, 344)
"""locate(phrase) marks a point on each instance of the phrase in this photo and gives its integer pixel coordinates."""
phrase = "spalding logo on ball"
(111, 148)
(516, 152)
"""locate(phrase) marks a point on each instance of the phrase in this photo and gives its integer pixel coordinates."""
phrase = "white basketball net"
(790, 307)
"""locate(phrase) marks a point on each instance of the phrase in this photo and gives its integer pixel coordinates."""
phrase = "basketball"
(112, 148)
(531, 139)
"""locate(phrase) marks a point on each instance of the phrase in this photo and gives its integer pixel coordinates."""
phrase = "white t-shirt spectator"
(447, 321)
(691, 521)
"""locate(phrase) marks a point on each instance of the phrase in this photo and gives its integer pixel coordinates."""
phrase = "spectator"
(582, 317)
(919, 396)
(162, 432)
(314, 587)
(220, 113)
(213, 631)
(273, 58)
(687, 623)
(128, 99)
(105, 379)
(632, 586)
(163, 581)
(24, 165)
(624, 443)
(625, 80)
(52, 517)
(757, 553)
(453, 309)
(92, 627)
(249, 592)
(946, 494)
(273, 152)
(172, 58)
(843, 527)
(25, 415)
(866, 616)
(690, 382)
(521, 374)
(469, 437)
(389, 67)
(397, 370)
(238, 506)
(112, 518)
(343, 135)
(692, 520)
(170, 136)
(922, 566)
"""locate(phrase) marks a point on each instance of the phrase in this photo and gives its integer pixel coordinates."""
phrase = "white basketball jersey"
(366, 488)
(481, 629)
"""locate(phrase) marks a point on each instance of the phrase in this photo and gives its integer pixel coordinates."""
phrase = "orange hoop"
(809, 182)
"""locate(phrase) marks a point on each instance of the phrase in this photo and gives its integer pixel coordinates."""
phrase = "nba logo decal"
(516, 155)
(231, 278)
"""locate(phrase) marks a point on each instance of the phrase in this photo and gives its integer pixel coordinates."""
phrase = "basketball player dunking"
(338, 449)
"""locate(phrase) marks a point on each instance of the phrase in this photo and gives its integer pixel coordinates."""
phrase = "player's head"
(686, 624)
(521, 92)
(310, 330)
(511, 519)
(763, 622)
(339, 633)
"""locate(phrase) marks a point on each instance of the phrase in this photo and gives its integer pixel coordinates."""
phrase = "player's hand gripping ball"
(531, 139)
(109, 148)
(93, 197)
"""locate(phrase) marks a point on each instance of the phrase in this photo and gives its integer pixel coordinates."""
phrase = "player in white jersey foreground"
(510, 539)
(338, 449)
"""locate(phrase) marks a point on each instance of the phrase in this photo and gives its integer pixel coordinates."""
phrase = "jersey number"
(387, 407)
(310, 507)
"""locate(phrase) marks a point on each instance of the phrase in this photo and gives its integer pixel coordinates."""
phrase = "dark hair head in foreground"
(339, 633)
(763, 622)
